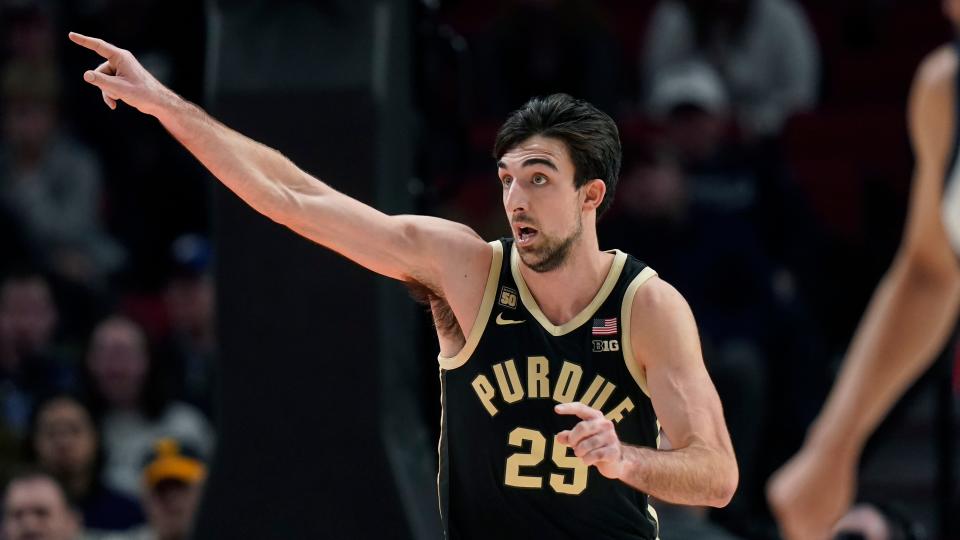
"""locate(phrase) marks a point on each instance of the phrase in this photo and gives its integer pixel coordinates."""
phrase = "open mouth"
(525, 235)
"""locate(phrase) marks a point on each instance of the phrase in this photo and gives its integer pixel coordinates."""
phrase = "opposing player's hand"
(810, 493)
(121, 77)
(593, 439)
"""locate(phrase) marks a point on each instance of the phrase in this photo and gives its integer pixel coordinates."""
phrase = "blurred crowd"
(765, 172)
(107, 345)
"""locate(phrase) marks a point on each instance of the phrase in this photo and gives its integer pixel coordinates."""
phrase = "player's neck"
(564, 292)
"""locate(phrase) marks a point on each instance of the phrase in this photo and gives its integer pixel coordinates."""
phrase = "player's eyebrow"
(530, 162)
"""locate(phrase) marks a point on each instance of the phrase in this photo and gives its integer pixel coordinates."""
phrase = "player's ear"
(593, 193)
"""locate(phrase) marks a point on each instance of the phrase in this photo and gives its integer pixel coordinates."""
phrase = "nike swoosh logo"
(503, 322)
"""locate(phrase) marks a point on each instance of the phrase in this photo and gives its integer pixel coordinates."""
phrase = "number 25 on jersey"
(538, 446)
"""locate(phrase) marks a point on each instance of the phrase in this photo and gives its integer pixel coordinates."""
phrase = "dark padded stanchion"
(312, 346)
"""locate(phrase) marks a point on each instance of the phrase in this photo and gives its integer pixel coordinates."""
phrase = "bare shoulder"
(464, 265)
(662, 331)
(656, 295)
(660, 310)
(441, 229)
(447, 244)
(466, 253)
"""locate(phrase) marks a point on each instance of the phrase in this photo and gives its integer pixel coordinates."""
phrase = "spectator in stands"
(733, 176)
(763, 50)
(31, 363)
(65, 443)
(49, 183)
(691, 104)
(26, 34)
(691, 100)
(173, 481)
(35, 507)
(131, 402)
(191, 346)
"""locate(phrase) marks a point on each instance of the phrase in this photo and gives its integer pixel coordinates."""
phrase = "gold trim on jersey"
(483, 314)
(652, 512)
(619, 259)
(440, 463)
(626, 312)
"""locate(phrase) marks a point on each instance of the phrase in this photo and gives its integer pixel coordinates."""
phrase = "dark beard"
(555, 255)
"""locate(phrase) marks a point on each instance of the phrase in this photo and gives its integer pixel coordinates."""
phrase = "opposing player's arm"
(906, 324)
(401, 247)
(700, 469)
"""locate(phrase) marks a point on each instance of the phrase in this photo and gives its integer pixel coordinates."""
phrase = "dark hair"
(590, 135)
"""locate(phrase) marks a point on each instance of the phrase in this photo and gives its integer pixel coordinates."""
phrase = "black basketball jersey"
(502, 474)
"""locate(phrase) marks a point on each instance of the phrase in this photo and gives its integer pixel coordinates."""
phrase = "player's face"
(542, 204)
(951, 8)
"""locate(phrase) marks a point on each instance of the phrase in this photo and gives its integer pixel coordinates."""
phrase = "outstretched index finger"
(96, 45)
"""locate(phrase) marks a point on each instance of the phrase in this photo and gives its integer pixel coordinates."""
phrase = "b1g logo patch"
(606, 345)
(508, 297)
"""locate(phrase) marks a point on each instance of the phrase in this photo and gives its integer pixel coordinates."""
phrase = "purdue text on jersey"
(498, 447)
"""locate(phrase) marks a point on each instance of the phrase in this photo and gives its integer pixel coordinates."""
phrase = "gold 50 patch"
(508, 297)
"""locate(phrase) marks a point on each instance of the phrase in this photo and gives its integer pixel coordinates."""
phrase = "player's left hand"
(594, 439)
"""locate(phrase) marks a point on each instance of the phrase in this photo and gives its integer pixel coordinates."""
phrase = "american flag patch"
(605, 327)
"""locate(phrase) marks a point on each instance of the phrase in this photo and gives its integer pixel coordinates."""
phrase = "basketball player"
(909, 319)
(557, 359)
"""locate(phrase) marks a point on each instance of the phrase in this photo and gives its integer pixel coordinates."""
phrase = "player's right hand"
(811, 492)
(121, 77)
